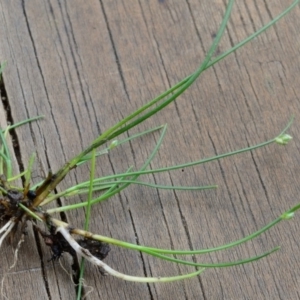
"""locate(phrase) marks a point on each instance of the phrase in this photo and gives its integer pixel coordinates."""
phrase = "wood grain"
(86, 64)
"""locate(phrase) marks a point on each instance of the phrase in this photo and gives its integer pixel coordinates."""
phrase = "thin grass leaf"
(212, 265)
(156, 186)
(286, 215)
(5, 154)
(21, 123)
(87, 218)
(31, 213)
(29, 170)
(115, 130)
(166, 169)
(2, 66)
(118, 143)
(118, 187)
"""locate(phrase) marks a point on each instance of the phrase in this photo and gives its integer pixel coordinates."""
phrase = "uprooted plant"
(21, 206)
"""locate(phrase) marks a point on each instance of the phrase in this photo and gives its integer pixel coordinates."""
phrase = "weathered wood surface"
(86, 64)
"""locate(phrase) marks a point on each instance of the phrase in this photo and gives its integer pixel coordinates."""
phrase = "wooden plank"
(86, 65)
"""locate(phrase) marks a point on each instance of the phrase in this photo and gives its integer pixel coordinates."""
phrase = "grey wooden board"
(86, 64)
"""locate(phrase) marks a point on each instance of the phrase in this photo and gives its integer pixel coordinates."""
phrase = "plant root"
(13, 265)
(7, 228)
(82, 281)
(83, 252)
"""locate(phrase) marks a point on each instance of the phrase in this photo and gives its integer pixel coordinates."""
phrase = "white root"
(8, 227)
(81, 281)
(17, 251)
(12, 266)
(66, 271)
(4, 227)
(91, 289)
(94, 260)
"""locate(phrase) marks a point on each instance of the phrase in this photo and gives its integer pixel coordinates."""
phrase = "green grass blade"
(30, 212)
(181, 85)
(121, 126)
(90, 194)
(29, 170)
(5, 154)
(98, 183)
(87, 219)
(2, 66)
(202, 161)
(13, 126)
(141, 248)
(162, 187)
(254, 35)
(118, 143)
(112, 133)
(118, 188)
(212, 265)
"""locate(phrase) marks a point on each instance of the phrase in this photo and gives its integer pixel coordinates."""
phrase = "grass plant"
(27, 204)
